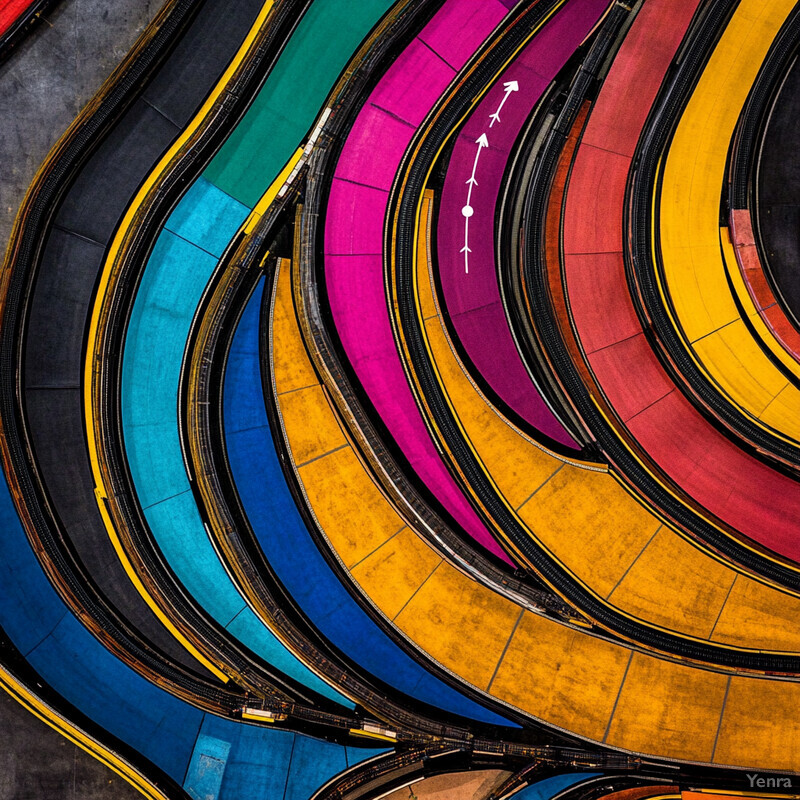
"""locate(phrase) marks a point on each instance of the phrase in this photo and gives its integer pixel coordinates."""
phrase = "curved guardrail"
(24, 250)
(399, 239)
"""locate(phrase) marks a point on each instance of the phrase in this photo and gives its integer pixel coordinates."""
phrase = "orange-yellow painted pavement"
(564, 676)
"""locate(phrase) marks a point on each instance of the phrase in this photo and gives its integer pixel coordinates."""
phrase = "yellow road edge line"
(36, 706)
(763, 331)
(95, 326)
(8, 682)
(272, 192)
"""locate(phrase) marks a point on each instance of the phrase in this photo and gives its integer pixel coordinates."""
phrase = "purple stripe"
(354, 234)
(474, 299)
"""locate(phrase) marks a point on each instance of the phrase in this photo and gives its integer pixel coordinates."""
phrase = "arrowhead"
(471, 182)
(511, 86)
(465, 249)
(482, 140)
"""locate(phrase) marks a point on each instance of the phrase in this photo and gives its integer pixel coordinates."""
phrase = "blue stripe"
(161, 727)
(289, 547)
(169, 293)
(550, 787)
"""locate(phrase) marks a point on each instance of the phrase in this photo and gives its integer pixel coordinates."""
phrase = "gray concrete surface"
(43, 86)
(49, 79)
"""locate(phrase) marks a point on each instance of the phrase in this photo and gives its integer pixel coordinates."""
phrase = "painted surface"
(470, 277)
(176, 274)
(737, 488)
(354, 234)
(288, 545)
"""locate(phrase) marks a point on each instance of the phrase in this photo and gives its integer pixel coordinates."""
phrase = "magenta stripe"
(354, 233)
(474, 299)
(460, 28)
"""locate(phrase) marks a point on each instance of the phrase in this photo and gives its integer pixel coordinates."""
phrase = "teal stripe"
(174, 279)
(151, 373)
(287, 106)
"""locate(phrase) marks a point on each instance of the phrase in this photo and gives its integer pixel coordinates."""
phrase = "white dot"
(467, 211)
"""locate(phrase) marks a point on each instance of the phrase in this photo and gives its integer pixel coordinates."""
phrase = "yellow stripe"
(78, 737)
(9, 683)
(596, 571)
(751, 313)
(88, 111)
(267, 198)
(257, 717)
(695, 282)
(664, 797)
(120, 240)
(656, 477)
(371, 735)
(685, 633)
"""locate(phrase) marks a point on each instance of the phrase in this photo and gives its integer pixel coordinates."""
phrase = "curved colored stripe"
(293, 554)
(354, 233)
(168, 732)
(95, 684)
(384, 597)
(736, 487)
(101, 490)
(562, 675)
(163, 313)
(761, 294)
(695, 278)
(174, 279)
(600, 534)
(473, 298)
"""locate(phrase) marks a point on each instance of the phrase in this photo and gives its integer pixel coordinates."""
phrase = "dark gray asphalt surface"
(62, 295)
(778, 192)
(42, 88)
(49, 79)
(36, 763)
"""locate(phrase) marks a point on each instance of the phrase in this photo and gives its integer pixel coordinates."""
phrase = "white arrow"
(465, 249)
(511, 86)
(467, 211)
(482, 142)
